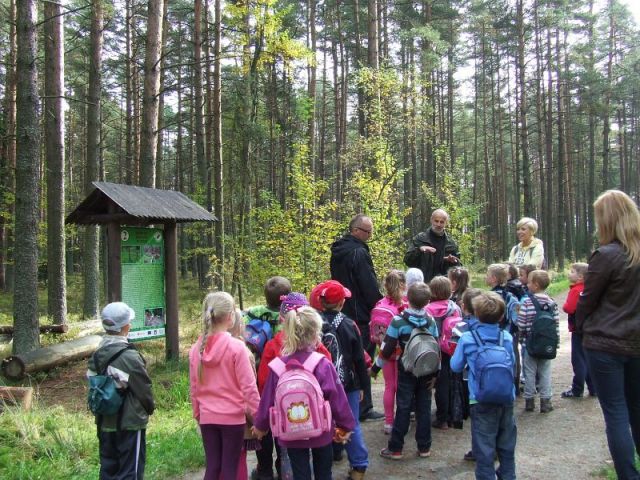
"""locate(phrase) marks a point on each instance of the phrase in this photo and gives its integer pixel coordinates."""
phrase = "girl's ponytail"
(302, 327)
(216, 306)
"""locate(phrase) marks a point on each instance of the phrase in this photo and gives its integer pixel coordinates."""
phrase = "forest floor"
(568, 443)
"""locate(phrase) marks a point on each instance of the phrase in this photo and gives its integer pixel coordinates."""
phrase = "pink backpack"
(451, 319)
(300, 411)
(381, 317)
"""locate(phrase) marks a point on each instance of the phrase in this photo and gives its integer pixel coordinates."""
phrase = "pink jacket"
(227, 390)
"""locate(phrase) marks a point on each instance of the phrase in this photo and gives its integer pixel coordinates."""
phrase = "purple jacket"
(333, 391)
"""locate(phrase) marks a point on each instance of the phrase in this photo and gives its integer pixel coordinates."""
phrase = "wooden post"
(114, 268)
(171, 290)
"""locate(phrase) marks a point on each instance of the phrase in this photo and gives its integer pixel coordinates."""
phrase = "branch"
(60, 14)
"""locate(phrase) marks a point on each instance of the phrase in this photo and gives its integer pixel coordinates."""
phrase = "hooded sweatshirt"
(352, 266)
(226, 392)
(532, 254)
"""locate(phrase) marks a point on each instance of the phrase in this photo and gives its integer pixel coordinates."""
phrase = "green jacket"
(138, 402)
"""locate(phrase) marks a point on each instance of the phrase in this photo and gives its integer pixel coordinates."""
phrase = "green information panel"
(142, 258)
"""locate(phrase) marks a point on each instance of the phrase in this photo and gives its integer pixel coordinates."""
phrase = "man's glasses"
(364, 230)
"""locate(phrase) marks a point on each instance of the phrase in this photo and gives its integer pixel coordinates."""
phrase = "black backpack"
(542, 340)
(331, 343)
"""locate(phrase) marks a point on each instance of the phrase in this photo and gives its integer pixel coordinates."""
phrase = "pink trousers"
(390, 375)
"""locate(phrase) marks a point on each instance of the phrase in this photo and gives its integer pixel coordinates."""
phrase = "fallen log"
(16, 367)
(64, 328)
(12, 396)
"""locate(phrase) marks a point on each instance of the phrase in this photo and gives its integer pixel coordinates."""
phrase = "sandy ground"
(568, 443)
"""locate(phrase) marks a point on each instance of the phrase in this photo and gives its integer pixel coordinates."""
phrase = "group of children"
(295, 370)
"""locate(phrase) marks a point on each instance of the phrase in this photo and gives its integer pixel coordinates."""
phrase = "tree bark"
(27, 195)
(55, 160)
(150, 99)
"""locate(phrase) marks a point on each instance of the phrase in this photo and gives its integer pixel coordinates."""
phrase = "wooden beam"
(172, 334)
(64, 328)
(114, 267)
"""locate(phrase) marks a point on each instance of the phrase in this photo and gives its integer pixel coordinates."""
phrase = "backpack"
(493, 371)
(300, 411)
(381, 316)
(542, 340)
(331, 343)
(258, 330)
(510, 319)
(104, 397)
(446, 323)
(421, 355)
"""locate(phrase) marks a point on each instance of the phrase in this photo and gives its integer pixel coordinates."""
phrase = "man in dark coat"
(352, 266)
(433, 251)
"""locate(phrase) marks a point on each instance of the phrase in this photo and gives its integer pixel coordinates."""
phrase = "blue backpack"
(493, 371)
(512, 305)
(104, 396)
(257, 333)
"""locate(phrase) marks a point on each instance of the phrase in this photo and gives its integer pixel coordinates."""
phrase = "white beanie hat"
(116, 315)
(413, 275)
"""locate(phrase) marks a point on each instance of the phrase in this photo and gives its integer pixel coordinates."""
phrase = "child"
(496, 278)
(223, 388)
(493, 428)
(390, 306)
(578, 360)
(122, 437)
(302, 327)
(523, 272)
(442, 309)
(274, 289)
(273, 349)
(413, 275)
(459, 278)
(340, 333)
(410, 388)
(534, 366)
(514, 285)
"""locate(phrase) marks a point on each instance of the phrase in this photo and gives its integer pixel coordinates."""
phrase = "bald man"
(433, 251)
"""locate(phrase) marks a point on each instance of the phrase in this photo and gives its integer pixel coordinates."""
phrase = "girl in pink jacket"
(224, 392)
(388, 307)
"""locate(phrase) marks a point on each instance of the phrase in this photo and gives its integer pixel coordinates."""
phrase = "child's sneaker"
(570, 394)
(424, 453)
(386, 453)
(469, 457)
(387, 429)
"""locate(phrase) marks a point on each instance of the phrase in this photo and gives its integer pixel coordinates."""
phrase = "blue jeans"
(579, 364)
(409, 388)
(356, 448)
(616, 378)
(322, 461)
(494, 431)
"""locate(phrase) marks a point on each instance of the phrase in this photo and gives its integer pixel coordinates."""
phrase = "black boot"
(545, 405)
(529, 404)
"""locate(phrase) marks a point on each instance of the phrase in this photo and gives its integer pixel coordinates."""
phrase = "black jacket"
(352, 266)
(608, 311)
(353, 363)
(431, 264)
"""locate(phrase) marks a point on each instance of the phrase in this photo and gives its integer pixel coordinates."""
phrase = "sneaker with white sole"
(424, 453)
(386, 453)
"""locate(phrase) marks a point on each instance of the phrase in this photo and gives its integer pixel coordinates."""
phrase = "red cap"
(332, 291)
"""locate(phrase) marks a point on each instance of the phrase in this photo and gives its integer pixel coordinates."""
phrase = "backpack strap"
(476, 337)
(103, 370)
(278, 366)
(312, 361)
(536, 304)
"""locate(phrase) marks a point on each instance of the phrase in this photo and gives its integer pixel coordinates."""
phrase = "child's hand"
(340, 435)
(258, 433)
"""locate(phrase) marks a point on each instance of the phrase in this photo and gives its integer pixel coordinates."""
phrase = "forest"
(285, 118)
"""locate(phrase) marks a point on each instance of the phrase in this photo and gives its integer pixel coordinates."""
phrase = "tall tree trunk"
(561, 160)
(218, 166)
(522, 110)
(161, 126)
(150, 99)
(8, 149)
(311, 87)
(92, 172)
(606, 110)
(25, 299)
(357, 61)
(129, 95)
(54, 148)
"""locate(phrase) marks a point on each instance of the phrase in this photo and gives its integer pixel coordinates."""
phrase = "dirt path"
(568, 443)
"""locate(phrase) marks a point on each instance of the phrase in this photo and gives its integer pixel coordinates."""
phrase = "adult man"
(352, 266)
(433, 251)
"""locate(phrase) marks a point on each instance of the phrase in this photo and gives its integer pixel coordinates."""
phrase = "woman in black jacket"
(608, 316)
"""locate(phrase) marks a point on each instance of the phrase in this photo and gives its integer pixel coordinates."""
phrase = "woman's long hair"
(617, 218)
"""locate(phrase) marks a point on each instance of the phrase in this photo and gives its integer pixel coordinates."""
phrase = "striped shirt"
(527, 314)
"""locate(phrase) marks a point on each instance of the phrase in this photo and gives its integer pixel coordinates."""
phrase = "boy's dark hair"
(513, 271)
(488, 307)
(440, 288)
(275, 288)
(419, 295)
(527, 268)
(467, 298)
(540, 278)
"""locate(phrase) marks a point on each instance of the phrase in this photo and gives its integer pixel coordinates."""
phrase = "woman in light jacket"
(530, 250)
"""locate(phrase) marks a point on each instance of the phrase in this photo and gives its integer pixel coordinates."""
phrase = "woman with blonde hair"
(529, 250)
(608, 317)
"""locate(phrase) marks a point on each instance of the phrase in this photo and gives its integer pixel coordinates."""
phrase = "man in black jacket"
(352, 266)
(433, 251)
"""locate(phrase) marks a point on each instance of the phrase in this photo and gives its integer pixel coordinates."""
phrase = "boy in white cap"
(122, 436)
